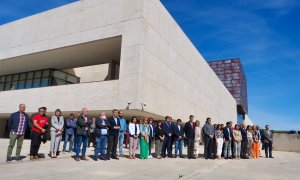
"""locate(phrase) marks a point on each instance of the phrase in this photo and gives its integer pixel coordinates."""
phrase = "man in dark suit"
(268, 142)
(228, 136)
(113, 135)
(178, 137)
(82, 134)
(167, 129)
(189, 129)
(244, 142)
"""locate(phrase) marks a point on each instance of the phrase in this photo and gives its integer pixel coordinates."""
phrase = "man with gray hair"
(17, 125)
(82, 134)
(268, 142)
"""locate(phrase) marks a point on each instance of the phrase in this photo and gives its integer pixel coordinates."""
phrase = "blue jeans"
(81, 139)
(178, 147)
(121, 141)
(68, 138)
(101, 143)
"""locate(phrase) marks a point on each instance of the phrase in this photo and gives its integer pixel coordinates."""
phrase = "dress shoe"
(8, 159)
(103, 158)
(84, 158)
(115, 157)
(36, 157)
(31, 158)
(77, 159)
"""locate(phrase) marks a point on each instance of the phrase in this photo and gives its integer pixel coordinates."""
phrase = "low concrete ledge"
(286, 142)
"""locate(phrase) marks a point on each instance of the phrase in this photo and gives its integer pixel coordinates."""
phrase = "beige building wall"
(158, 65)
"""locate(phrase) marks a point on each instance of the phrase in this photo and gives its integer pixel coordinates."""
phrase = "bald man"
(17, 125)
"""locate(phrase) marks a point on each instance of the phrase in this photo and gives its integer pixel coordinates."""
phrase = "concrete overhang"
(85, 54)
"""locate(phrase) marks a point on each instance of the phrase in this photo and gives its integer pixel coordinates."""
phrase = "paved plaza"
(285, 165)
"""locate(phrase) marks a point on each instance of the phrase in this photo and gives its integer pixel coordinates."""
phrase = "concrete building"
(100, 54)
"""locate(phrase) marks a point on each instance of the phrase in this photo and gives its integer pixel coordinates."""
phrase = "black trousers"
(92, 139)
(244, 149)
(190, 148)
(112, 145)
(208, 147)
(268, 149)
(35, 143)
(167, 145)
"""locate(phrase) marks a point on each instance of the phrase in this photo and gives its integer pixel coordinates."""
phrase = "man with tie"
(113, 132)
(189, 129)
(228, 136)
(82, 134)
(167, 143)
(178, 137)
(151, 136)
(244, 142)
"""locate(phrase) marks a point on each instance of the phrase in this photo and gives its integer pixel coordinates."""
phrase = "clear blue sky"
(265, 35)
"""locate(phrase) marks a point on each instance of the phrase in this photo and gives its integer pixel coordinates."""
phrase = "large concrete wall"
(159, 64)
(174, 77)
(77, 23)
(286, 142)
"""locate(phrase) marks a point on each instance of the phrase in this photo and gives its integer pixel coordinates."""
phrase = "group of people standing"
(108, 133)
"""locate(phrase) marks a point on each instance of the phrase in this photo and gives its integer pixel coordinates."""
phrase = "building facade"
(119, 51)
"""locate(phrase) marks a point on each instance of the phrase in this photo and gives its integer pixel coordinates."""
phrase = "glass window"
(2, 78)
(37, 74)
(60, 75)
(36, 83)
(1, 86)
(15, 77)
(22, 76)
(7, 86)
(57, 81)
(28, 83)
(34, 79)
(29, 75)
(8, 78)
(45, 82)
(21, 84)
(14, 85)
(72, 79)
(46, 73)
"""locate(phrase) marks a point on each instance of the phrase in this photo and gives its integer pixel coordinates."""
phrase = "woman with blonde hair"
(197, 139)
(144, 142)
